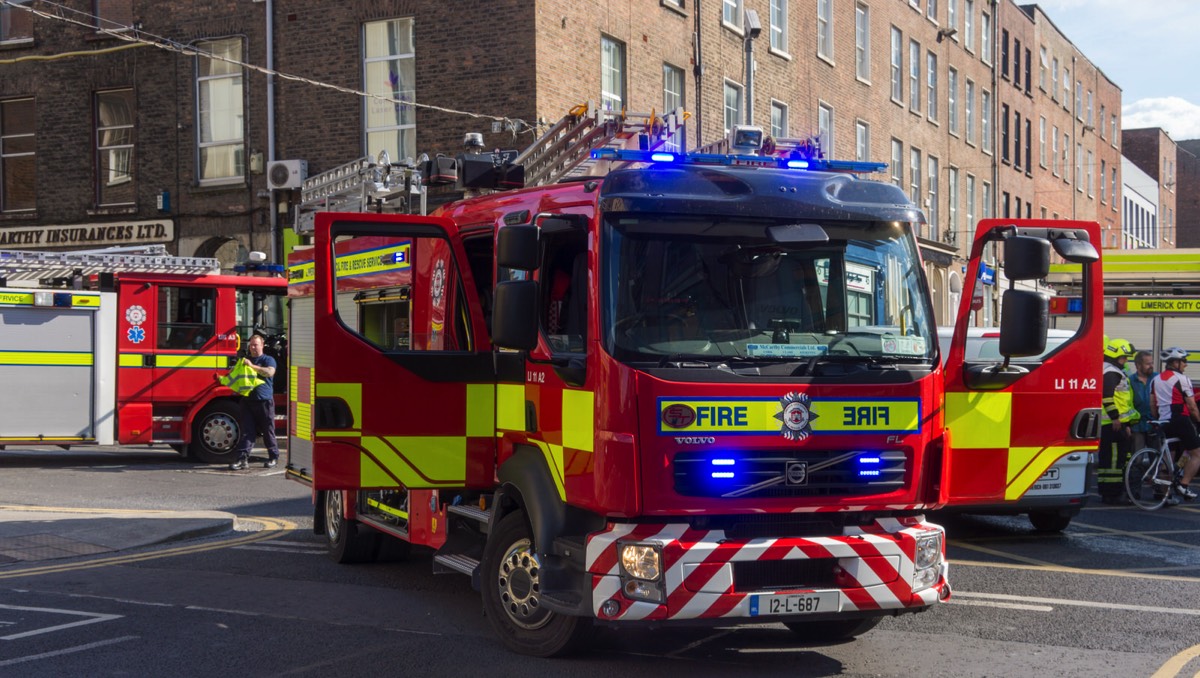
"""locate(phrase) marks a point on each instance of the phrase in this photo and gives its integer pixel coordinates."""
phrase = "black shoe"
(238, 465)
(270, 463)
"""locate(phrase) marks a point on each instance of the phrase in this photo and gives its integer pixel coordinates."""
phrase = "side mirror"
(1076, 251)
(1024, 323)
(1026, 258)
(514, 315)
(517, 247)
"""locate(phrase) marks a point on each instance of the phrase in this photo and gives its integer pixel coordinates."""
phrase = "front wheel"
(216, 432)
(348, 541)
(1049, 521)
(511, 581)
(832, 630)
(1147, 479)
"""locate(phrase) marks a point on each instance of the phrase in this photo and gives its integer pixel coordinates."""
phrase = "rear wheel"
(348, 541)
(1049, 521)
(216, 432)
(511, 580)
(833, 629)
(1147, 479)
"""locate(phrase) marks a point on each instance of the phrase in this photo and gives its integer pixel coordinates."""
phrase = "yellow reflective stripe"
(16, 298)
(578, 419)
(554, 459)
(510, 407)
(211, 362)
(351, 393)
(45, 358)
(130, 360)
(303, 424)
(375, 503)
(293, 382)
(1027, 464)
(85, 300)
(335, 433)
(442, 461)
(481, 410)
(979, 420)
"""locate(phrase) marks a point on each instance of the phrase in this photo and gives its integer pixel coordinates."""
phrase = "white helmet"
(1173, 353)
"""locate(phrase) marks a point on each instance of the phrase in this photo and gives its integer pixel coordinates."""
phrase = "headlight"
(929, 551)
(641, 560)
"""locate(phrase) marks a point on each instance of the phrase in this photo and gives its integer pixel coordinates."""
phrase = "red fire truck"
(698, 388)
(124, 348)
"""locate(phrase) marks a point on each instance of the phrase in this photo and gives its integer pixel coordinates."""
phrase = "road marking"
(285, 549)
(67, 650)
(1133, 574)
(954, 600)
(1001, 554)
(1140, 535)
(94, 618)
(217, 609)
(272, 528)
(1175, 664)
(1076, 603)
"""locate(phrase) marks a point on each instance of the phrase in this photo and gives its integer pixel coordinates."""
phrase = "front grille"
(765, 473)
(770, 575)
(775, 525)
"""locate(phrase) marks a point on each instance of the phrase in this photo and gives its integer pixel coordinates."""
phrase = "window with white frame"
(914, 76)
(825, 28)
(985, 119)
(672, 88)
(220, 106)
(390, 72)
(931, 85)
(733, 105)
(952, 204)
(1054, 78)
(986, 200)
(1066, 87)
(1043, 66)
(862, 141)
(16, 23)
(677, 4)
(1089, 108)
(731, 13)
(1113, 186)
(934, 175)
(612, 74)
(18, 143)
(931, 9)
(985, 37)
(952, 100)
(1103, 183)
(779, 25)
(969, 25)
(1103, 121)
(862, 41)
(1065, 160)
(970, 112)
(1113, 128)
(1054, 150)
(825, 129)
(779, 119)
(1042, 141)
(1090, 172)
(114, 147)
(914, 177)
(897, 164)
(1078, 167)
(897, 66)
(1079, 100)
(969, 209)
(952, 13)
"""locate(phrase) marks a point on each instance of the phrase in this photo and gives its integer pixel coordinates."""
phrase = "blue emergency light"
(789, 162)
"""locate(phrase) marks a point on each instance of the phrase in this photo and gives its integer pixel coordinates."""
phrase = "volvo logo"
(678, 416)
(796, 473)
(695, 441)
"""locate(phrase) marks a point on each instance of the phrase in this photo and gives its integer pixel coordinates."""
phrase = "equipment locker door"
(403, 376)
(1006, 430)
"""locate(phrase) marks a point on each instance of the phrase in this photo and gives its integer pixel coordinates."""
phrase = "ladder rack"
(22, 265)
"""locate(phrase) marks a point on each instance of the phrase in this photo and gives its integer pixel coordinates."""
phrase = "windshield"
(719, 289)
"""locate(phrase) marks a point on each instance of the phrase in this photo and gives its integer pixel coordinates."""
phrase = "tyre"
(832, 630)
(1147, 480)
(1049, 521)
(215, 433)
(348, 541)
(512, 591)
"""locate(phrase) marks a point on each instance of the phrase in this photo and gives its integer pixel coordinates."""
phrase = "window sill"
(108, 210)
(780, 53)
(16, 43)
(736, 30)
(864, 81)
(220, 184)
(18, 216)
(828, 60)
(674, 8)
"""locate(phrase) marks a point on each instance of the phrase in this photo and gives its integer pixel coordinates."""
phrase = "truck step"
(470, 511)
(454, 562)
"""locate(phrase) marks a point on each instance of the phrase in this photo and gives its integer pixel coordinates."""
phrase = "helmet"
(1118, 348)
(1173, 353)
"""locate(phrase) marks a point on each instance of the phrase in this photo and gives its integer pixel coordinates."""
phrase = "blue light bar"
(723, 462)
(819, 164)
(869, 460)
(722, 474)
(869, 472)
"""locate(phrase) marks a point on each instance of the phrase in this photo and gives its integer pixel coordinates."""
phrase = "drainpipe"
(274, 218)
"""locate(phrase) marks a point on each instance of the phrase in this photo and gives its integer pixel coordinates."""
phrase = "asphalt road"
(1117, 594)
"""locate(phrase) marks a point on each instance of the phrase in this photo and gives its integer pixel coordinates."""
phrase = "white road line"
(306, 551)
(217, 609)
(94, 618)
(67, 650)
(1008, 606)
(1076, 603)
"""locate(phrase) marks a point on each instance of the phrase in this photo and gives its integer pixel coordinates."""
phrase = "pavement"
(34, 533)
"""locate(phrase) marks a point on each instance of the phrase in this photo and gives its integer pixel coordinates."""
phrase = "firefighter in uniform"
(1116, 436)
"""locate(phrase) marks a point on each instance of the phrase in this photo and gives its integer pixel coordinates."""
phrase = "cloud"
(1179, 117)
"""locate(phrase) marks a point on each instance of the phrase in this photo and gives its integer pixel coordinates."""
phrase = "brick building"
(1187, 199)
(1153, 152)
(980, 107)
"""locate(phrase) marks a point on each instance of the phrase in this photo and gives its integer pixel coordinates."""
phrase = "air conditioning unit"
(286, 174)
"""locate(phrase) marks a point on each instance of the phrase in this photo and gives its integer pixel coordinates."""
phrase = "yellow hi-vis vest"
(1123, 396)
(242, 379)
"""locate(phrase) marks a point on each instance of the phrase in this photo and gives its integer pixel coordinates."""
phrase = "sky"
(1149, 48)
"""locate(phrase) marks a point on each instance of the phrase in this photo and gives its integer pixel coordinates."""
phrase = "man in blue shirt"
(1141, 381)
(258, 408)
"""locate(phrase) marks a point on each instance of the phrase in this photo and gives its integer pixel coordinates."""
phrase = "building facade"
(1154, 152)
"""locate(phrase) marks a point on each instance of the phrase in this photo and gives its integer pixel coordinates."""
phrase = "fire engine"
(682, 388)
(124, 347)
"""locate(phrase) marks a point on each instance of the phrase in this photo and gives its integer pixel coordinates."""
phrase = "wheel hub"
(220, 433)
(519, 584)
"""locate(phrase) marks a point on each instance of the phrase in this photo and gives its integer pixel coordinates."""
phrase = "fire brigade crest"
(136, 315)
(438, 284)
(795, 411)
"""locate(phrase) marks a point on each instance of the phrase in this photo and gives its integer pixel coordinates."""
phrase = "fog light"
(643, 590)
(929, 551)
(923, 579)
(610, 608)
(641, 560)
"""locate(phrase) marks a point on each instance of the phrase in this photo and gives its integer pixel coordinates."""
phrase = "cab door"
(404, 395)
(1009, 424)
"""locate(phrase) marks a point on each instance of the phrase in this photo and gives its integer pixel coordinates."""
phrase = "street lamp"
(752, 28)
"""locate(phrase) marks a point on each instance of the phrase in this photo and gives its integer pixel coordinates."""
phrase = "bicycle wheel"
(1146, 489)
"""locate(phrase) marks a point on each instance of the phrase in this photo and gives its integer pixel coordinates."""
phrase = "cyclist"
(1177, 402)
(1117, 435)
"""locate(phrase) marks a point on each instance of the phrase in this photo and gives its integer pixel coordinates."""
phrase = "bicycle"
(1150, 476)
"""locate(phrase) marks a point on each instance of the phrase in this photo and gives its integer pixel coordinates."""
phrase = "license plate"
(794, 603)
